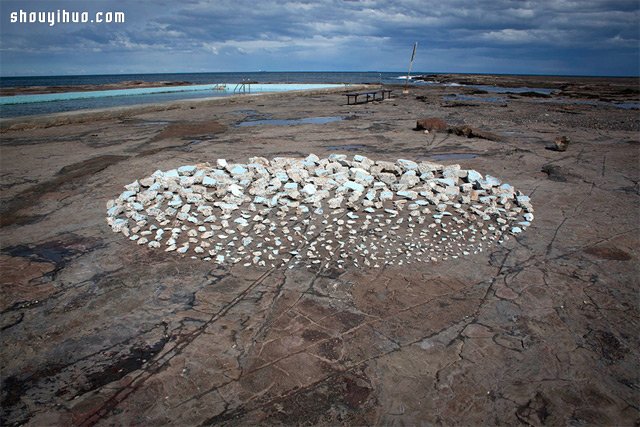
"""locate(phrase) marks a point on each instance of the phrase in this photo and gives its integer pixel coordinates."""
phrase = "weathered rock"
(561, 143)
(431, 124)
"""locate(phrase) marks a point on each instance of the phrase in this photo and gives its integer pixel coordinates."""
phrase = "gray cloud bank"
(589, 37)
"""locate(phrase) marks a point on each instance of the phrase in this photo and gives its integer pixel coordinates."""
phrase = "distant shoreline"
(499, 80)
(616, 90)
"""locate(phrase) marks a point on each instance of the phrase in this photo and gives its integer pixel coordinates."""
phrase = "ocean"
(209, 78)
(11, 108)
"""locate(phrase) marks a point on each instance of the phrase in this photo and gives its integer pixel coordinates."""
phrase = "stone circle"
(330, 212)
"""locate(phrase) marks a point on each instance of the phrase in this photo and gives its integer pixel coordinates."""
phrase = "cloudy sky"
(581, 37)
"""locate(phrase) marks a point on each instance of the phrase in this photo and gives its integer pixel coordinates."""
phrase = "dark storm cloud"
(555, 36)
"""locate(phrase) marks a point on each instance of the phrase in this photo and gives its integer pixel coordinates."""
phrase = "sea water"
(202, 85)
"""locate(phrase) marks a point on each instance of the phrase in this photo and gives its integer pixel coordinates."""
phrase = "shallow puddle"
(347, 147)
(458, 97)
(152, 123)
(628, 105)
(453, 156)
(499, 89)
(291, 122)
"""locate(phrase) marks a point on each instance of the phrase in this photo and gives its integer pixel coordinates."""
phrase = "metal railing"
(243, 87)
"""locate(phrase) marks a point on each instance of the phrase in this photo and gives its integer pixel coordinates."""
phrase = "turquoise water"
(26, 105)
(218, 88)
(200, 86)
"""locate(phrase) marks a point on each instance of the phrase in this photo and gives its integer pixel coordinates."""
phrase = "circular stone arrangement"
(331, 212)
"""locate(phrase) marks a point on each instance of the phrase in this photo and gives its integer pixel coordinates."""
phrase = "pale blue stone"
(407, 164)
(386, 195)
(473, 176)
(137, 217)
(282, 176)
(312, 158)
(228, 206)
(187, 170)
(208, 181)
(173, 173)
(491, 181)
(236, 190)
(362, 175)
(119, 224)
(114, 211)
(127, 194)
(238, 170)
(176, 202)
(309, 189)
(407, 194)
(486, 199)
(240, 221)
(353, 186)
(259, 200)
(447, 181)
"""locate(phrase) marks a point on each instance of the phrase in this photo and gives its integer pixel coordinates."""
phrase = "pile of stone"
(265, 211)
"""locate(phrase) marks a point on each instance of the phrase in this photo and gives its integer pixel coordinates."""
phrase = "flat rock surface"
(540, 329)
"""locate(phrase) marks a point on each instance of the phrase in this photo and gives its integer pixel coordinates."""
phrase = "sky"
(560, 37)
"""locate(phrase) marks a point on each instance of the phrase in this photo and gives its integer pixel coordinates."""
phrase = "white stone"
(407, 164)
(407, 194)
(309, 189)
(353, 186)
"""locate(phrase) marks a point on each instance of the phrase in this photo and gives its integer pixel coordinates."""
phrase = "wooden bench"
(371, 95)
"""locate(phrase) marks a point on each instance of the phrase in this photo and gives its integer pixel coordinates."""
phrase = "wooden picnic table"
(369, 95)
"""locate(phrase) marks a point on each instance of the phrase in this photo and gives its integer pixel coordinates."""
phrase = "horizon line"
(402, 73)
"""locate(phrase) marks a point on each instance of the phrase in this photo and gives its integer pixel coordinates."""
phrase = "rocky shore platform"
(131, 84)
(447, 256)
